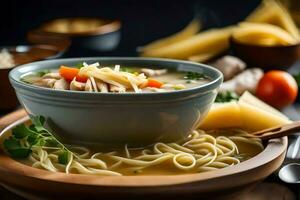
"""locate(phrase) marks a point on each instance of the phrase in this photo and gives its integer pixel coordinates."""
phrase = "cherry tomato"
(277, 88)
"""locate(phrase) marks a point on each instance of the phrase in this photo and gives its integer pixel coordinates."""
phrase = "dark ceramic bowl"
(266, 57)
(135, 118)
(22, 54)
(104, 38)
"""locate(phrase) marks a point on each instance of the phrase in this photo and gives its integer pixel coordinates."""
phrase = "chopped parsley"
(127, 69)
(193, 76)
(25, 138)
(79, 65)
(42, 73)
(227, 96)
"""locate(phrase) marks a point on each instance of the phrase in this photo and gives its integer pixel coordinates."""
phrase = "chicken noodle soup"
(116, 79)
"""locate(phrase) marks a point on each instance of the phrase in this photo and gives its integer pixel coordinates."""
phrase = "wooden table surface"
(270, 189)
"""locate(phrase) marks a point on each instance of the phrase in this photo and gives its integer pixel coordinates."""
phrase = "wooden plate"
(224, 183)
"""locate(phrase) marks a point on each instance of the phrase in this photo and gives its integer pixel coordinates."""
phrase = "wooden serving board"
(11, 117)
(227, 183)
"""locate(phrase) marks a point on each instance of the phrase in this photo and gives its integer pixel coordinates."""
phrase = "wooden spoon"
(12, 117)
(277, 132)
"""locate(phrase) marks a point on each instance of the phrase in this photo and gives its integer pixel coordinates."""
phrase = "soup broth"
(115, 79)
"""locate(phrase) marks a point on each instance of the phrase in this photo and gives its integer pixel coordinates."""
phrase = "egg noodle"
(114, 77)
(199, 152)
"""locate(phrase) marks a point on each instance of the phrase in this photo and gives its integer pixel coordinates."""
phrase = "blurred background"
(142, 21)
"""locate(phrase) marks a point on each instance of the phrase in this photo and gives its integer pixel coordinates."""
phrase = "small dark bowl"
(104, 38)
(22, 54)
(266, 57)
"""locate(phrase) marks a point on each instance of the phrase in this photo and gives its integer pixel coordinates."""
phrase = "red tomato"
(277, 88)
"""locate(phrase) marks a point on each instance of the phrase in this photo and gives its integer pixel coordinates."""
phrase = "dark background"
(143, 21)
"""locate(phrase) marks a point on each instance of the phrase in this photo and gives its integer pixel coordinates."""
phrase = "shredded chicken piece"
(54, 75)
(245, 81)
(61, 84)
(47, 82)
(167, 86)
(102, 86)
(114, 88)
(153, 72)
(76, 85)
(153, 89)
(88, 86)
(229, 66)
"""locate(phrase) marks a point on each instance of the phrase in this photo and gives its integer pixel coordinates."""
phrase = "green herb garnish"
(79, 65)
(42, 73)
(24, 139)
(126, 69)
(63, 157)
(193, 76)
(297, 78)
(226, 97)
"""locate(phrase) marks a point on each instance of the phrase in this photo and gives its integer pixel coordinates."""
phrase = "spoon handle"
(279, 131)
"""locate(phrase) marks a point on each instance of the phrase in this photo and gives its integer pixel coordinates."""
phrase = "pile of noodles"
(115, 77)
(199, 152)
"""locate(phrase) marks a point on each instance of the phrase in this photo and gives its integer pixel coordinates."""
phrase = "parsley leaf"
(15, 149)
(42, 73)
(21, 131)
(193, 76)
(63, 157)
(38, 122)
(226, 97)
(126, 69)
(79, 65)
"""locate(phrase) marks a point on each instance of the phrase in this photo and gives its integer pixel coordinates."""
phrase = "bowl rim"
(110, 26)
(40, 46)
(213, 84)
(274, 150)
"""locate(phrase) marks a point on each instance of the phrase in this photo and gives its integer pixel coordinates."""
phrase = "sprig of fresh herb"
(227, 96)
(193, 76)
(24, 139)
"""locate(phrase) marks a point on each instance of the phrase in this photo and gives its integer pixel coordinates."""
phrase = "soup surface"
(116, 79)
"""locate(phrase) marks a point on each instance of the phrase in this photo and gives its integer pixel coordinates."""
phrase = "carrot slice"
(69, 73)
(82, 79)
(154, 83)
